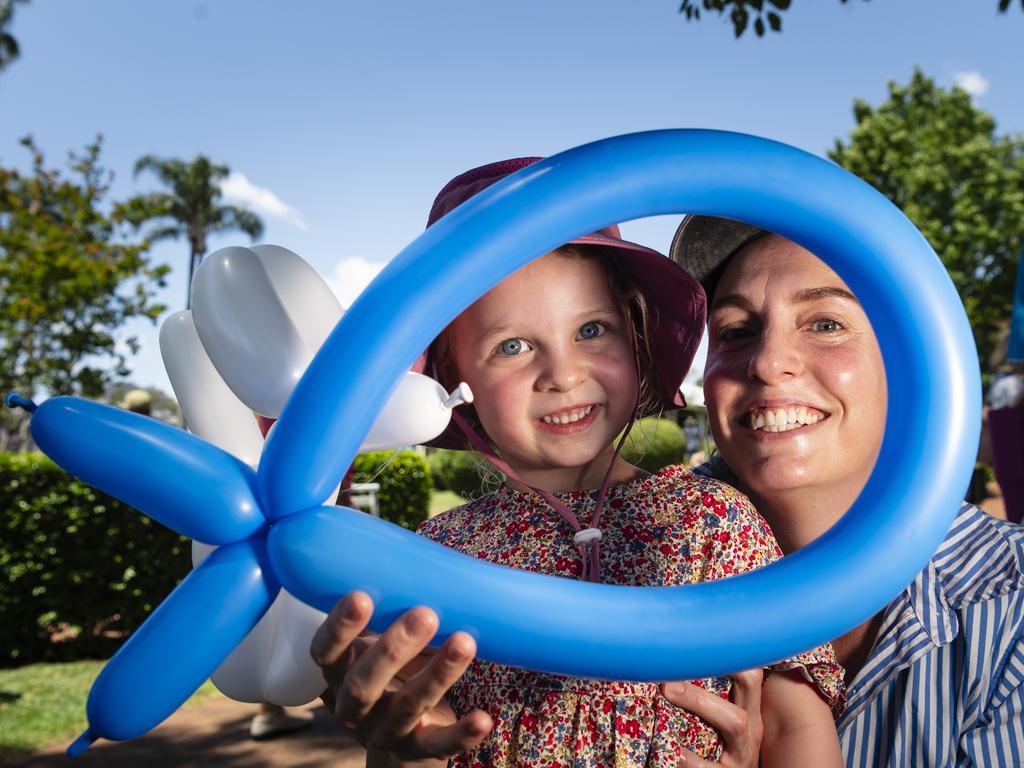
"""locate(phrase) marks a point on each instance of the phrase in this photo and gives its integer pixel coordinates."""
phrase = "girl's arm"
(798, 725)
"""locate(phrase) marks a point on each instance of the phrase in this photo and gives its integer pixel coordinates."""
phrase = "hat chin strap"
(587, 539)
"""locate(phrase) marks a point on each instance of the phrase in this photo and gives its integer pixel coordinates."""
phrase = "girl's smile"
(570, 420)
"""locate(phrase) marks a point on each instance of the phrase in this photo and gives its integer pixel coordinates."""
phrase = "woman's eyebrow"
(739, 301)
(831, 292)
(732, 300)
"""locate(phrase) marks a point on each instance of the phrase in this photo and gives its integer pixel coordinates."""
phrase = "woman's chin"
(770, 478)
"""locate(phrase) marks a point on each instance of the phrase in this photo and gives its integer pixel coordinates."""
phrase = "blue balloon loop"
(880, 545)
(274, 531)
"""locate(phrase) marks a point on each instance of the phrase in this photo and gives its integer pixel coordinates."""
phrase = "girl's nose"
(561, 372)
(774, 358)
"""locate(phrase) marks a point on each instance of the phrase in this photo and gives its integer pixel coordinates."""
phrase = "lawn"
(441, 501)
(43, 704)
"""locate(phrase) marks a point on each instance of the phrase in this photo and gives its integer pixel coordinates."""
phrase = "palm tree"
(191, 206)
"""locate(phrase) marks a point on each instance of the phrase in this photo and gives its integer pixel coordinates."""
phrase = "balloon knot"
(14, 400)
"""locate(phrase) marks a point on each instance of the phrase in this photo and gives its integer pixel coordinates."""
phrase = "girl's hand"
(739, 720)
(385, 694)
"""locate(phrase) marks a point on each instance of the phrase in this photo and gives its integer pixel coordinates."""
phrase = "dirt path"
(214, 733)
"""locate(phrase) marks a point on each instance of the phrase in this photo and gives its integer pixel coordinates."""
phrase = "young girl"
(562, 357)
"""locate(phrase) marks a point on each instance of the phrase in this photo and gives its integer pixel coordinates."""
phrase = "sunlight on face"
(549, 357)
(794, 380)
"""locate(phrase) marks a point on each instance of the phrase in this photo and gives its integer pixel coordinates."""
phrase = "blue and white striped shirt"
(944, 684)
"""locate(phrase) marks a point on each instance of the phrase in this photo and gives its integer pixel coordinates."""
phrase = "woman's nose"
(775, 357)
(561, 372)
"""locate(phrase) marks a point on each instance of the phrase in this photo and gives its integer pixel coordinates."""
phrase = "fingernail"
(458, 649)
(348, 608)
(419, 622)
(674, 689)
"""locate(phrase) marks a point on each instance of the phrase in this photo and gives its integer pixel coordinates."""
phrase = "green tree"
(9, 49)
(766, 14)
(191, 209)
(68, 282)
(937, 157)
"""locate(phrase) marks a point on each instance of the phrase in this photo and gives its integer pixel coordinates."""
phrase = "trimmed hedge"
(75, 561)
(654, 443)
(79, 570)
(404, 496)
(467, 473)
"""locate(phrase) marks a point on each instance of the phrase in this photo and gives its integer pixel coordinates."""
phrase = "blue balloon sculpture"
(274, 531)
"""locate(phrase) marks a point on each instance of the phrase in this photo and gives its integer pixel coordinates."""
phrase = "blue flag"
(1015, 351)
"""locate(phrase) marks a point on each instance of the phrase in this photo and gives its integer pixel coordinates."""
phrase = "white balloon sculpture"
(258, 317)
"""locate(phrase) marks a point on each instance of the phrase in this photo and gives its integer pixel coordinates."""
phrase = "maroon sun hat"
(677, 307)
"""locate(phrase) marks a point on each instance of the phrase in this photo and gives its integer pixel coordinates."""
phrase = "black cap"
(703, 244)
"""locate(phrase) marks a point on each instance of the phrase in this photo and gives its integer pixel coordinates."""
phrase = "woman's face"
(794, 381)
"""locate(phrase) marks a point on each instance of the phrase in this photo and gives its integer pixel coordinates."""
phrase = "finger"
(368, 677)
(426, 688)
(467, 733)
(746, 690)
(688, 759)
(335, 635)
(726, 717)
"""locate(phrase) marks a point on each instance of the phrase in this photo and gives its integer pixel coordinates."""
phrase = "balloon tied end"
(82, 743)
(461, 394)
(14, 400)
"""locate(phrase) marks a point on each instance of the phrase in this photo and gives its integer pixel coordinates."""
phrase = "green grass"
(43, 704)
(441, 501)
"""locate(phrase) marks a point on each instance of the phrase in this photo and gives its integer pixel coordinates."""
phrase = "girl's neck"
(586, 478)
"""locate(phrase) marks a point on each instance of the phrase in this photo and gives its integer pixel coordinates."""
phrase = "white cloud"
(237, 187)
(973, 82)
(351, 276)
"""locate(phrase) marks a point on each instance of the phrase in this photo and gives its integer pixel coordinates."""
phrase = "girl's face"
(549, 357)
(794, 380)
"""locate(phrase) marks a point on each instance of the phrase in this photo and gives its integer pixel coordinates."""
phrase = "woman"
(795, 390)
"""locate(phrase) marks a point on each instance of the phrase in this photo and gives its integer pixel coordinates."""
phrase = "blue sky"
(342, 120)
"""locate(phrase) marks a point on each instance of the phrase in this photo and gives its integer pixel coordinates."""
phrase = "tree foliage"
(191, 209)
(68, 281)
(157, 403)
(937, 157)
(765, 14)
(9, 49)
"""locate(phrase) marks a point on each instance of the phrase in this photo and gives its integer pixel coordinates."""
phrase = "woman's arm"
(798, 725)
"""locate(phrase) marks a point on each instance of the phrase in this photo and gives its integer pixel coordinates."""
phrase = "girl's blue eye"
(511, 347)
(591, 330)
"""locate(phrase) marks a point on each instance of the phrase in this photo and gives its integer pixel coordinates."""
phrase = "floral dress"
(666, 529)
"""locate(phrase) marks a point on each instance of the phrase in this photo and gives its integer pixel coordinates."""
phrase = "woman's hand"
(384, 693)
(738, 720)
